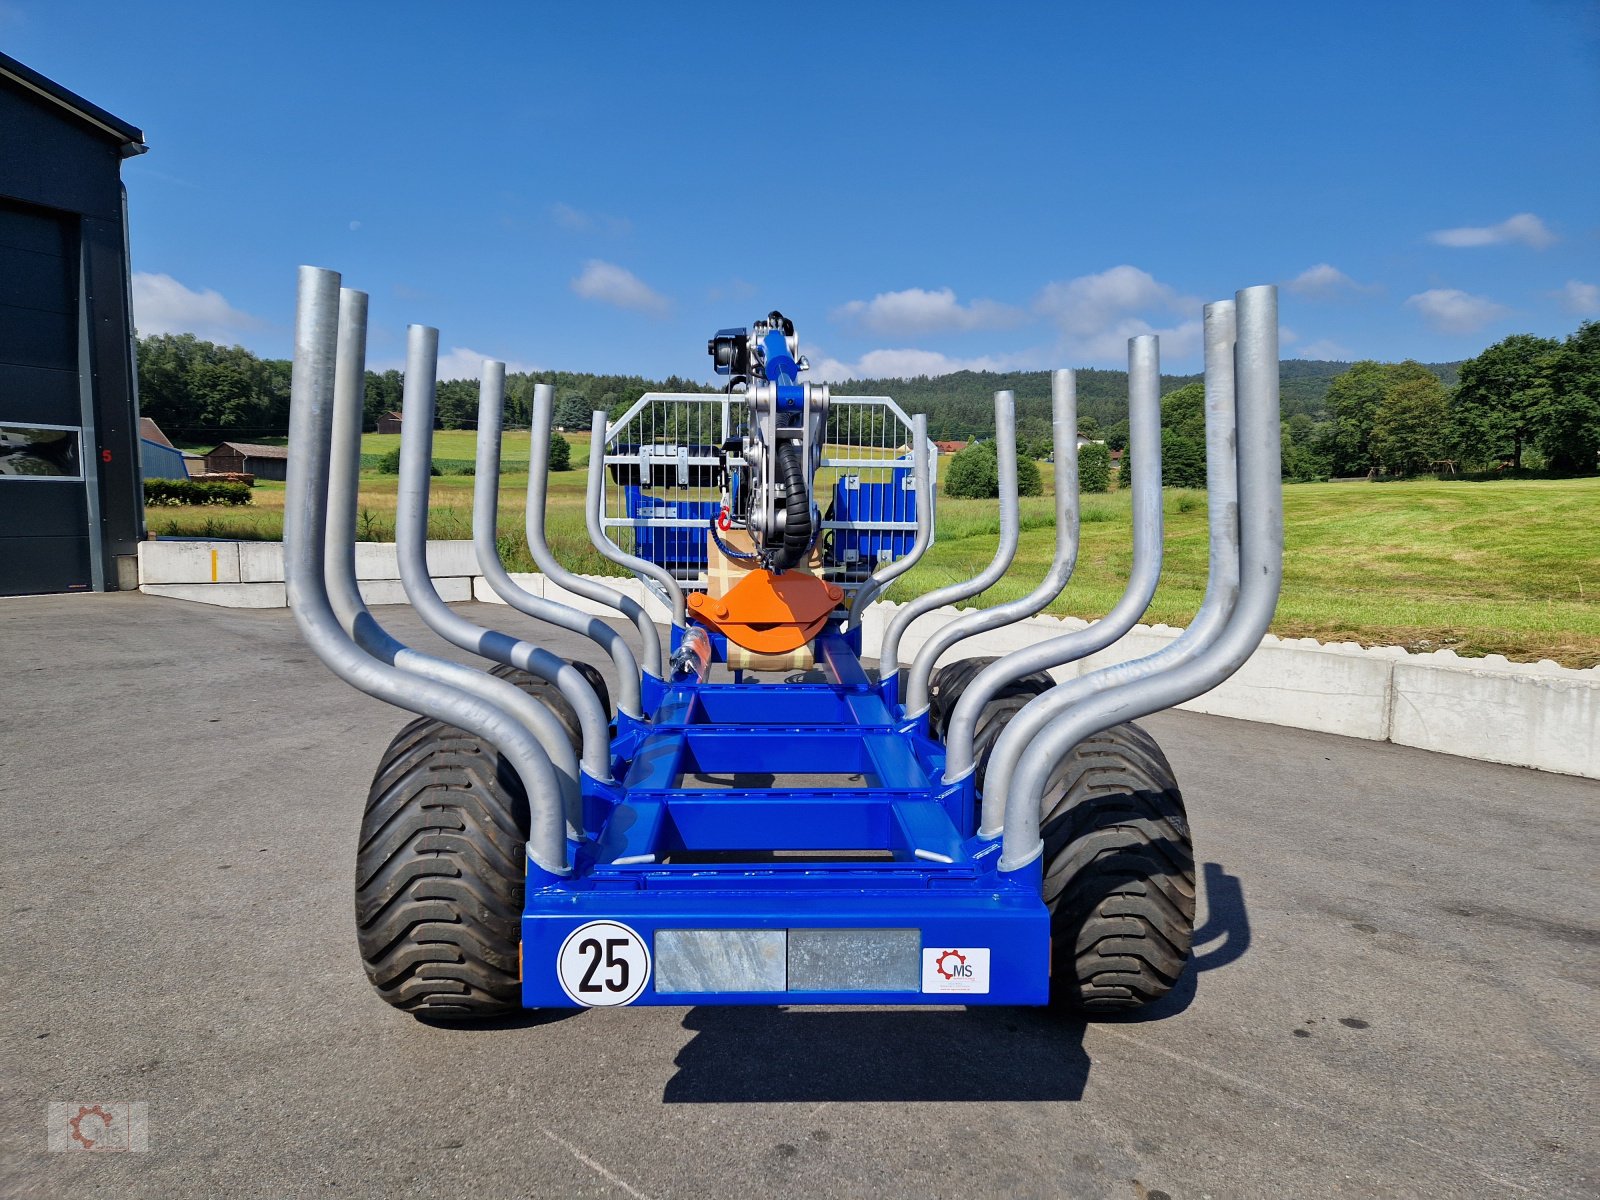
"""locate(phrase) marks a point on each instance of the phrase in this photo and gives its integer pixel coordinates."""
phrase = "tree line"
(1525, 402)
(198, 392)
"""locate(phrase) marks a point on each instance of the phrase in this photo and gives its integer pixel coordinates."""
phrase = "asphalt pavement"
(1395, 992)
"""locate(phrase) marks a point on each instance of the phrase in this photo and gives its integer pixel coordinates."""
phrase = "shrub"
(195, 491)
(560, 453)
(974, 473)
(389, 464)
(1183, 463)
(188, 491)
(1028, 481)
(1094, 468)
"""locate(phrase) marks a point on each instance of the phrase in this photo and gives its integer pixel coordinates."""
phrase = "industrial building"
(71, 498)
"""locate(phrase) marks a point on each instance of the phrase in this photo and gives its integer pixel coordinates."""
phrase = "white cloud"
(905, 364)
(464, 363)
(1524, 227)
(1450, 310)
(917, 310)
(1579, 298)
(163, 305)
(1097, 314)
(611, 284)
(575, 219)
(1324, 282)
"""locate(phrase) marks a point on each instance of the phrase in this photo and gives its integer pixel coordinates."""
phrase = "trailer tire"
(1118, 873)
(946, 685)
(548, 693)
(440, 875)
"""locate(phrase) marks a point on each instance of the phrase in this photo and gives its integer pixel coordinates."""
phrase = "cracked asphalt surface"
(1395, 993)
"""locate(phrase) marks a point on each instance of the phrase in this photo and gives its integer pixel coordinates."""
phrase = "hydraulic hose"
(797, 531)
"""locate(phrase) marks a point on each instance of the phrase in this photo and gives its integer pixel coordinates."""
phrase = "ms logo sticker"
(956, 969)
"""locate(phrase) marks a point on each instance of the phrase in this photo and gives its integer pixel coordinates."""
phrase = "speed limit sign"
(602, 964)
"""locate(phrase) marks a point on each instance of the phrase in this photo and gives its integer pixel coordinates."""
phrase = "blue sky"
(923, 188)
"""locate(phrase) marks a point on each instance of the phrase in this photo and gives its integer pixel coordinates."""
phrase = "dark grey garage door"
(44, 516)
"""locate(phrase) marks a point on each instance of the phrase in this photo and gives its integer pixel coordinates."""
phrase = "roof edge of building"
(131, 137)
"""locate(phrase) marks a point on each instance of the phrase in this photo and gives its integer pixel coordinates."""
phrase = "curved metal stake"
(339, 557)
(1260, 573)
(305, 498)
(1064, 432)
(595, 510)
(411, 542)
(654, 656)
(1144, 436)
(922, 481)
(1005, 433)
(486, 546)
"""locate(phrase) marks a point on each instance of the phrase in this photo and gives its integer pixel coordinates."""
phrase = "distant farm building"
(247, 458)
(389, 422)
(158, 457)
(950, 447)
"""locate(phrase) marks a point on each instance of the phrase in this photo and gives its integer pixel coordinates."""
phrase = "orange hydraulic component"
(767, 613)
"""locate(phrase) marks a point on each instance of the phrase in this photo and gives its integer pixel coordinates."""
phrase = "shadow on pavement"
(798, 1055)
(777, 1055)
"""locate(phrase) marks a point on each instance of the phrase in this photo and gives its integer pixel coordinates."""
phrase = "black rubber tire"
(947, 683)
(1118, 874)
(550, 694)
(439, 876)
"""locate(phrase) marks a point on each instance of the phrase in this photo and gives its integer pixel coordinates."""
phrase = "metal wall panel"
(44, 523)
(44, 564)
(52, 160)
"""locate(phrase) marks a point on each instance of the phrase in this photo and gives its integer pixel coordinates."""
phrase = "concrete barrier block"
(658, 610)
(452, 589)
(188, 562)
(1530, 718)
(378, 592)
(446, 558)
(554, 591)
(1138, 642)
(874, 624)
(376, 560)
(1307, 687)
(529, 582)
(920, 630)
(224, 595)
(261, 562)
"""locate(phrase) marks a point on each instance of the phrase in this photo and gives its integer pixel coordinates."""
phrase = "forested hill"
(201, 393)
(961, 405)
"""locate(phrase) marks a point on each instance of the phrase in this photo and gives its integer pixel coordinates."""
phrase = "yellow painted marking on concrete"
(213, 566)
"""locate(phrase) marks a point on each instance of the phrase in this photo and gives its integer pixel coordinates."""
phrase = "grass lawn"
(1507, 568)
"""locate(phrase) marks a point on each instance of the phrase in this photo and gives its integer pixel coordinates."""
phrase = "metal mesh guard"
(660, 491)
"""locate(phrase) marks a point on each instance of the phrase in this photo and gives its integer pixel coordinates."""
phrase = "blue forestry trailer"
(741, 810)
